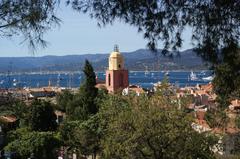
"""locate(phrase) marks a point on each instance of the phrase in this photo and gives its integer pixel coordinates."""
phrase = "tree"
(28, 18)
(227, 81)
(63, 99)
(41, 145)
(82, 137)
(139, 128)
(84, 103)
(42, 117)
(75, 109)
(217, 118)
(231, 145)
(18, 109)
(237, 121)
(88, 90)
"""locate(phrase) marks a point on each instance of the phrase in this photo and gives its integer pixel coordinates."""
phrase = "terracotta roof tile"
(8, 118)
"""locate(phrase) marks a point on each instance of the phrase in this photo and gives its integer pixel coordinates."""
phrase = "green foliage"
(10, 108)
(88, 91)
(41, 145)
(31, 19)
(19, 110)
(231, 144)
(237, 121)
(42, 117)
(83, 137)
(88, 137)
(110, 107)
(164, 89)
(140, 128)
(216, 118)
(67, 129)
(22, 112)
(227, 81)
(75, 109)
(63, 99)
(84, 103)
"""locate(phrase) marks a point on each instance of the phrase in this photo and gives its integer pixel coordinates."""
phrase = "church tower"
(116, 75)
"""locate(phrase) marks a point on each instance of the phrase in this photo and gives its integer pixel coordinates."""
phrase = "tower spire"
(116, 48)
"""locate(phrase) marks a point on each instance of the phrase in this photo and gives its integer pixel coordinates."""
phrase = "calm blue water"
(143, 79)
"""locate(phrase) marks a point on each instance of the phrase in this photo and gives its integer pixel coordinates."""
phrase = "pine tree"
(88, 91)
(83, 103)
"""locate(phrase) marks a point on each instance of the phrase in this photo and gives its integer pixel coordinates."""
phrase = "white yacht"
(166, 73)
(193, 76)
(209, 78)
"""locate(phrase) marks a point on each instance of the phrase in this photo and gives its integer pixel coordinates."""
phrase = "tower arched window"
(109, 79)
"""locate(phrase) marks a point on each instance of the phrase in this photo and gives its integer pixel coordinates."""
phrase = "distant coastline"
(139, 60)
(80, 72)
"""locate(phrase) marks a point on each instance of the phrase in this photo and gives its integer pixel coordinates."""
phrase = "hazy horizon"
(76, 54)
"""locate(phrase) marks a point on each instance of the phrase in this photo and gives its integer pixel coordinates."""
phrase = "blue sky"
(79, 34)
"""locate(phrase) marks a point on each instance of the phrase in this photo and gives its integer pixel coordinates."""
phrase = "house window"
(109, 79)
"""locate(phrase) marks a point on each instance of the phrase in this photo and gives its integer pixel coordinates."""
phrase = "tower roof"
(116, 60)
(115, 54)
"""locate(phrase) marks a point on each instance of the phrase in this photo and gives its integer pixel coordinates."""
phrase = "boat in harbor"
(74, 80)
(18, 83)
(1, 82)
(209, 78)
(166, 73)
(202, 73)
(193, 76)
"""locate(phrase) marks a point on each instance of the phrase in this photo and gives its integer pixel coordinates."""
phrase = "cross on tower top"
(116, 49)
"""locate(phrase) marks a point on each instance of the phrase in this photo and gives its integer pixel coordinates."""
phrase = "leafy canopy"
(82, 136)
(42, 116)
(139, 128)
(28, 18)
(41, 145)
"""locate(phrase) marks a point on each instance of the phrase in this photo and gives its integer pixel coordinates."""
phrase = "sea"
(145, 79)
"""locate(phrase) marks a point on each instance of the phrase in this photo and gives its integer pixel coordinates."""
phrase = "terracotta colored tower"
(116, 75)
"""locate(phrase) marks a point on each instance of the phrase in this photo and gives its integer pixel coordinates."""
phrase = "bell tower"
(116, 75)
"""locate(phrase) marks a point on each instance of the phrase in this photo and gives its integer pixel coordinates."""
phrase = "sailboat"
(166, 73)
(58, 79)
(209, 78)
(1, 82)
(193, 76)
(14, 82)
(146, 71)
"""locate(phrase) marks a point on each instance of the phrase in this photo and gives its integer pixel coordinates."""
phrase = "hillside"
(141, 59)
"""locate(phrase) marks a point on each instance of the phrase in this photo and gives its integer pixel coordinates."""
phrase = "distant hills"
(138, 60)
